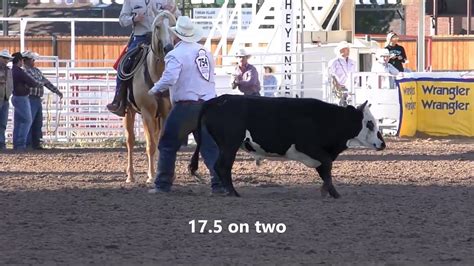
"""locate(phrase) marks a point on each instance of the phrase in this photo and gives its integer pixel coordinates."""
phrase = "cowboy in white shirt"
(381, 65)
(382, 56)
(189, 77)
(340, 69)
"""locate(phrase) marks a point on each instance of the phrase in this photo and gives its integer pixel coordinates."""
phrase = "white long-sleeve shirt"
(384, 81)
(151, 8)
(188, 74)
(340, 68)
(382, 67)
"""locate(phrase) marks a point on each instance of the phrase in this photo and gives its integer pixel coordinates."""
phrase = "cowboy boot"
(119, 103)
(115, 104)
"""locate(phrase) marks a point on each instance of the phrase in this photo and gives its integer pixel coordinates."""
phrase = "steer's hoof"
(150, 180)
(130, 180)
(233, 194)
(325, 189)
(324, 192)
(333, 193)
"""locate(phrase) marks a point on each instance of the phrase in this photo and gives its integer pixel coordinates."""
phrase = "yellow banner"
(437, 107)
(408, 117)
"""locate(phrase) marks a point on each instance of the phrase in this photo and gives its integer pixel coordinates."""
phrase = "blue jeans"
(4, 105)
(21, 121)
(35, 133)
(182, 120)
(136, 41)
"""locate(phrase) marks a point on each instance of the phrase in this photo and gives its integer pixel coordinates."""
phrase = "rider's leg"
(121, 91)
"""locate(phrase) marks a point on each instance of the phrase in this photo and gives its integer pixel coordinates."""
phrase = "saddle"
(135, 58)
(126, 70)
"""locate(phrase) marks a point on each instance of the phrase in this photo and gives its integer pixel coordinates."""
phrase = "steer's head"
(369, 136)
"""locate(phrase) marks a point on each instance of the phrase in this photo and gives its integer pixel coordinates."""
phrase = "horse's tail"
(193, 165)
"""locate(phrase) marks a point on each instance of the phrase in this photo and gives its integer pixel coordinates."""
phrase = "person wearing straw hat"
(22, 116)
(189, 77)
(382, 65)
(340, 69)
(6, 88)
(397, 53)
(245, 76)
(35, 133)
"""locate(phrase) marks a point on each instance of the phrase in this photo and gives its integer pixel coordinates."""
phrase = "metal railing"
(81, 116)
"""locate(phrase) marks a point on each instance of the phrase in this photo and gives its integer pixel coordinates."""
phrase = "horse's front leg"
(129, 122)
(150, 126)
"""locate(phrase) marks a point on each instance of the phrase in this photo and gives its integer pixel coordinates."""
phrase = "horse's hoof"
(150, 180)
(130, 180)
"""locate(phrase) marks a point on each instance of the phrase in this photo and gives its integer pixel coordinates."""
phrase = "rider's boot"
(119, 103)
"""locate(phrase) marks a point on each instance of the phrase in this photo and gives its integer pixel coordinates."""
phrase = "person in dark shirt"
(397, 52)
(36, 93)
(245, 76)
(22, 115)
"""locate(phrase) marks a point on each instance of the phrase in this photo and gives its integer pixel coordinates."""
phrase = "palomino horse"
(153, 111)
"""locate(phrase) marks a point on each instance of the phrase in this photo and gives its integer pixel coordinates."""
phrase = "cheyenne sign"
(439, 107)
(288, 37)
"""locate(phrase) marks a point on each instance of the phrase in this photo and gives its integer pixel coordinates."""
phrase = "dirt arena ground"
(410, 204)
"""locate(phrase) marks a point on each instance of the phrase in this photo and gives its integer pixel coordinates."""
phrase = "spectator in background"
(382, 65)
(6, 88)
(245, 76)
(340, 69)
(22, 115)
(270, 82)
(35, 133)
(397, 52)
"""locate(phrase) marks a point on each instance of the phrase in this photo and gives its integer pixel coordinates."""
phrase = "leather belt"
(190, 101)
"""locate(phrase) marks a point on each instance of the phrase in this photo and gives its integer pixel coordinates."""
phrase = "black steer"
(306, 130)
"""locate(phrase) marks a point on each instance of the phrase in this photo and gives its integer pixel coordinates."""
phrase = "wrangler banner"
(437, 107)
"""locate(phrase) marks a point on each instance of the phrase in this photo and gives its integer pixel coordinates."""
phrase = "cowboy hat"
(340, 46)
(272, 68)
(6, 54)
(30, 55)
(186, 30)
(242, 53)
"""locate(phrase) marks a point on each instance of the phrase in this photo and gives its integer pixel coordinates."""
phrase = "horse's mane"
(162, 14)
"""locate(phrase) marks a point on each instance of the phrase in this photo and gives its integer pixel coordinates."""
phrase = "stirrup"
(120, 111)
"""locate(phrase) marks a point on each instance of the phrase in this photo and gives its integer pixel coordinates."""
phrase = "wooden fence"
(443, 53)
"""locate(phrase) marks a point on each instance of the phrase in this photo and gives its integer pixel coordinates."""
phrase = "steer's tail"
(193, 165)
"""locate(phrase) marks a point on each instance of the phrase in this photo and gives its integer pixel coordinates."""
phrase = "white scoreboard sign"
(204, 17)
